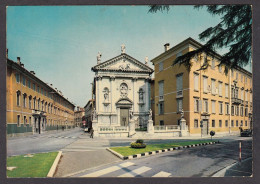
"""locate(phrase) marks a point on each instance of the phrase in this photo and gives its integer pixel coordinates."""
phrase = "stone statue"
(141, 96)
(106, 95)
(122, 48)
(99, 58)
(150, 114)
(94, 114)
(131, 114)
(146, 60)
(182, 113)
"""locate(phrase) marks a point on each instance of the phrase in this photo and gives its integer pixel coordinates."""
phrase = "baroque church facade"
(121, 91)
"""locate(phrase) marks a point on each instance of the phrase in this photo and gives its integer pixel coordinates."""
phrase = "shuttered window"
(205, 84)
(226, 90)
(213, 87)
(196, 105)
(220, 88)
(179, 82)
(196, 81)
(213, 106)
(161, 86)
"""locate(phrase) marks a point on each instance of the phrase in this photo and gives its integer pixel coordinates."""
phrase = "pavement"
(243, 168)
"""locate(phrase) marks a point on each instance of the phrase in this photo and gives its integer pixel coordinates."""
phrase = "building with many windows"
(79, 116)
(220, 102)
(32, 105)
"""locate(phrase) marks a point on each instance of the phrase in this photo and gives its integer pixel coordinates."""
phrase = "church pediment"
(124, 63)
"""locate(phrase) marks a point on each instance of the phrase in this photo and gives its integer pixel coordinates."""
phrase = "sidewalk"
(237, 169)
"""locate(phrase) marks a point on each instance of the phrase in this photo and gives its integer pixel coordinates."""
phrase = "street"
(86, 157)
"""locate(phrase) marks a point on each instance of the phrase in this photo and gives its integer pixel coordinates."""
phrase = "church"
(121, 91)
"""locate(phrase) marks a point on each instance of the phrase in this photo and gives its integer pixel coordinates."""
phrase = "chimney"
(51, 84)
(19, 60)
(166, 47)
(78, 108)
(22, 65)
(32, 72)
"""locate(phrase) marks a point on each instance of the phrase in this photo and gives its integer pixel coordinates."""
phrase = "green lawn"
(36, 166)
(127, 150)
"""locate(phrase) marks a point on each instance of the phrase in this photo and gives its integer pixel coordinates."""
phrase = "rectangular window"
(246, 111)
(237, 112)
(226, 90)
(220, 88)
(161, 90)
(29, 84)
(242, 94)
(205, 106)
(226, 123)
(236, 123)
(246, 94)
(179, 82)
(232, 110)
(220, 68)
(17, 76)
(160, 66)
(196, 123)
(161, 108)
(213, 123)
(179, 105)
(24, 83)
(232, 123)
(241, 123)
(227, 108)
(220, 108)
(213, 64)
(18, 120)
(196, 105)
(245, 123)
(213, 87)
(205, 84)
(220, 123)
(241, 111)
(213, 106)
(196, 81)
(161, 122)
(30, 102)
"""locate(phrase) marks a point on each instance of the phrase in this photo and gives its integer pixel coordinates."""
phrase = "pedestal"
(95, 126)
(183, 127)
(150, 128)
(131, 127)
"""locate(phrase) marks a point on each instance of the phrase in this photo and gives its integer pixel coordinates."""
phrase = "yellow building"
(32, 105)
(220, 102)
(79, 116)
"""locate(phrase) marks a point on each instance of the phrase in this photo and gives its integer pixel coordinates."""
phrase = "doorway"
(124, 117)
(205, 128)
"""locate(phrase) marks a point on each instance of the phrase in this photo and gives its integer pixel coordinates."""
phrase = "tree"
(233, 31)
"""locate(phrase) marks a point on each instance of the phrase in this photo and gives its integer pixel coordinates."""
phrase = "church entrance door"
(124, 116)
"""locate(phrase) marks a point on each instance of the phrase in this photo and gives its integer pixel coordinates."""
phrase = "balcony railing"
(236, 101)
(108, 129)
(179, 94)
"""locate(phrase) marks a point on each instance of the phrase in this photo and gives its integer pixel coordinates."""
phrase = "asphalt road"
(45, 142)
(201, 161)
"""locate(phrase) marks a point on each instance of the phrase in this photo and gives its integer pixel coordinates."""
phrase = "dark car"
(246, 133)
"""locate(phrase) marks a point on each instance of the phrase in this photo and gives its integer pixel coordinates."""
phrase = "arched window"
(18, 94)
(24, 100)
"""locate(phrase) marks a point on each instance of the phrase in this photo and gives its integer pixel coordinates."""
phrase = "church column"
(147, 94)
(134, 79)
(112, 87)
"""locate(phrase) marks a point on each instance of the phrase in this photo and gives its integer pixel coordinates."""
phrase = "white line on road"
(108, 170)
(136, 172)
(162, 174)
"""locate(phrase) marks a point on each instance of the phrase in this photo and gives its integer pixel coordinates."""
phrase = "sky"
(60, 43)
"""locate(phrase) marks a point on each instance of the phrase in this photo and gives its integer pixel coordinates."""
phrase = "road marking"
(136, 172)
(162, 174)
(108, 170)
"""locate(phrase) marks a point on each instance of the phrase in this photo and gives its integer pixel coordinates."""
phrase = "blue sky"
(60, 43)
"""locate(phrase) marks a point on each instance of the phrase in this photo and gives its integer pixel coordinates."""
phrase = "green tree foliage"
(233, 31)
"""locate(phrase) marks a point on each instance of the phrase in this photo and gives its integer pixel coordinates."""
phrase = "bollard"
(240, 152)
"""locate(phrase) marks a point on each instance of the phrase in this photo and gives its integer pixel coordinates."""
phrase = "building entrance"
(205, 128)
(124, 117)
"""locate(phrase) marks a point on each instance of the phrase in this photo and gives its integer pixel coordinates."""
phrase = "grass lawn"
(36, 166)
(127, 150)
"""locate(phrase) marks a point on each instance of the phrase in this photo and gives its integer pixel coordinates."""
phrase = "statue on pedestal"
(150, 114)
(122, 48)
(99, 58)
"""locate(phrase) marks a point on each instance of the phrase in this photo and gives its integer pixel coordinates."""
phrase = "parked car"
(246, 133)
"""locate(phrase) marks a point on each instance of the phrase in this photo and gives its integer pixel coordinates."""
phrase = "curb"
(54, 165)
(130, 157)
